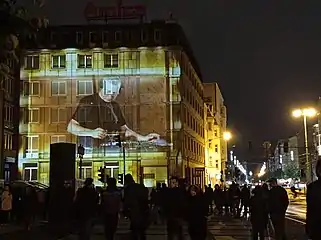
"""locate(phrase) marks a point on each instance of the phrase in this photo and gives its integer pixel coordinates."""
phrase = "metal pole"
(80, 167)
(124, 160)
(308, 172)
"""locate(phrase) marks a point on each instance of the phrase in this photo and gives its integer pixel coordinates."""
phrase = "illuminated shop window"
(58, 88)
(84, 61)
(32, 115)
(58, 115)
(32, 62)
(111, 61)
(58, 61)
(57, 139)
(31, 88)
(84, 87)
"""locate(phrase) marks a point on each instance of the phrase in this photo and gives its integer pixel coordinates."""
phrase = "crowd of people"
(22, 206)
(175, 205)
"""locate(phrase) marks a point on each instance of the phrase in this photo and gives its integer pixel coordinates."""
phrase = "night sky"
(266, 57)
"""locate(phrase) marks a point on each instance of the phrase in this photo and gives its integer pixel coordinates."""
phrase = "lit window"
(111, 61)
(84, 87)
(59, 61)
(8, 141)
(31, 88)
(58, 139)
(84, 61)
(58, 88)
(32, 62)
(58, 115)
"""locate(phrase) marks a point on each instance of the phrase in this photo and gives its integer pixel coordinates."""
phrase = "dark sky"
(266, 57)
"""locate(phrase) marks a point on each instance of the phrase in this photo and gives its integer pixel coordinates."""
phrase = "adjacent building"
(159, 102)
(9, 120)
(216, 146)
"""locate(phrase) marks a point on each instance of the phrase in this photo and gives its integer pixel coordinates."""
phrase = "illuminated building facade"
(9, 120)
(216, 146)
(158, 92)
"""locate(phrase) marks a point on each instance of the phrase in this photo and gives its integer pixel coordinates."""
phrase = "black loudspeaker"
(62, 181)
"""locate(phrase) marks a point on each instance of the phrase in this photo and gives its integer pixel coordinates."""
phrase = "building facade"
(216, 146)
(9, 121)
(286, 158)
(158, 108)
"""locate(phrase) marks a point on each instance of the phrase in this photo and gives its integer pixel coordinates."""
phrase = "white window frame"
(111, 56)
(30, 115)
(30, 169)
(8, 141)
(59, 61)
(83, 172)
(31, 87)
(85, 82)
(32, 62)
(58, 115)
(32, 153)
(60, 138)
(85, 60)
(58, 84)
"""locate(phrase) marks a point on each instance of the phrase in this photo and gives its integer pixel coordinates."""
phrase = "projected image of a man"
(99, 115)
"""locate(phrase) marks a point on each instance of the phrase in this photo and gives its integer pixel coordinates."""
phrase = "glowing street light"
(227, 136)
(305, 113)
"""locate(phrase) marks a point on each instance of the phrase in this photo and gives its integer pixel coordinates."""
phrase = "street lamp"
(227, 136)
(305, 113)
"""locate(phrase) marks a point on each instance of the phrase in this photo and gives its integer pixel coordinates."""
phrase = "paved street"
(223, 228)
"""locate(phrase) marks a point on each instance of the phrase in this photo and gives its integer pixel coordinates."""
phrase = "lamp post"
(81, 152)
(305, 113)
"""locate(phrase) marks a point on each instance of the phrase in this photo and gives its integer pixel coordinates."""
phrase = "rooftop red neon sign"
(119, 11)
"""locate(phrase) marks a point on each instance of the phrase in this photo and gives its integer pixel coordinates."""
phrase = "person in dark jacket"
(278, 204)
(111, 204)
(245, 198)
(196, 213)
(86, 201)
(174, 209)
(259, 213)
(136, 207)
(313, 215)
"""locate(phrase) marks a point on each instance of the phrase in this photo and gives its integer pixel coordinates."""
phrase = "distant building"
(216, 147)
(161, 93)
(286, 158)
(9, 120)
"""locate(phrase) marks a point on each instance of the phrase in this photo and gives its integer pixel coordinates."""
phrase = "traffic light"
(121, 179)
(286, 147)
(118, 140)
(101, 175)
